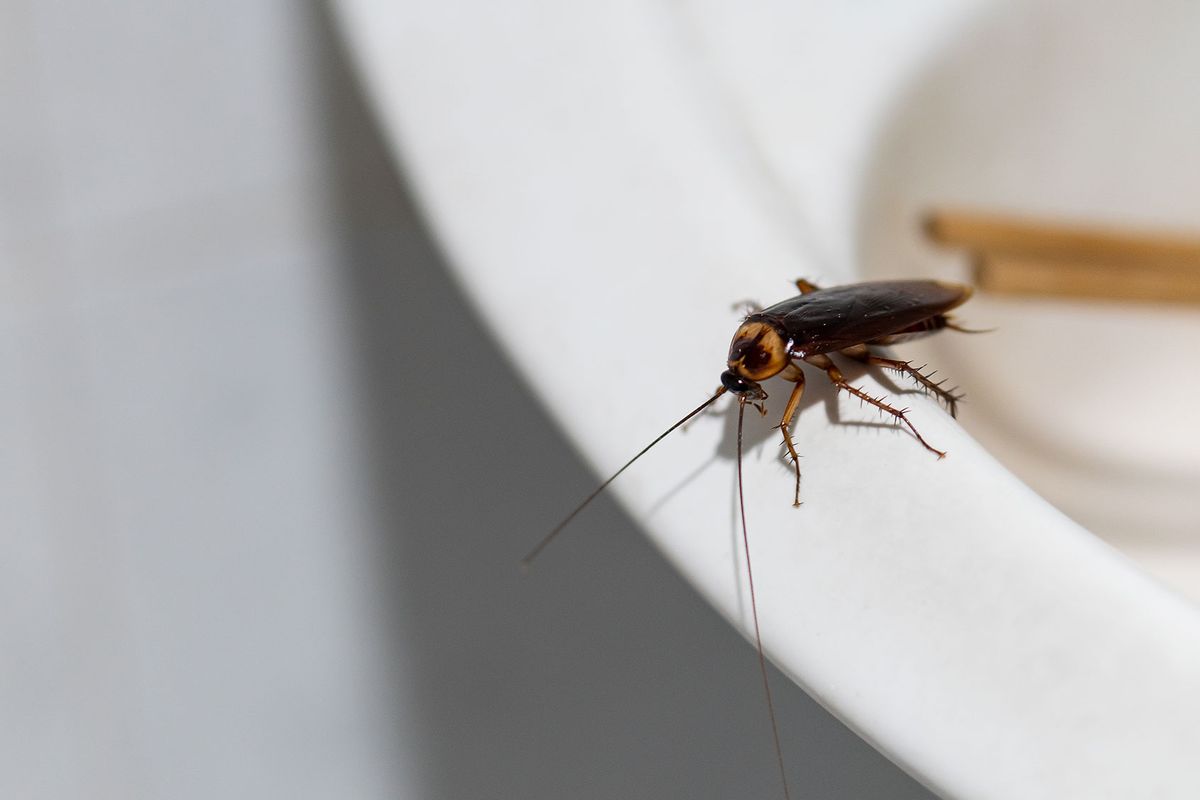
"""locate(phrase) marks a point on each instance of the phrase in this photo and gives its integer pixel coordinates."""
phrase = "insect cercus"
(774, 341)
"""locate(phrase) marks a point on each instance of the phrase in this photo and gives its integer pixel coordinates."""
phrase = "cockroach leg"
(948, 396)
(747, 307)
(795, 374)
(825, 363)
(954, 326)
(806, 287)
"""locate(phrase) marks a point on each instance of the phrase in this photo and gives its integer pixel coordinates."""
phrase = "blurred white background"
(264, 481)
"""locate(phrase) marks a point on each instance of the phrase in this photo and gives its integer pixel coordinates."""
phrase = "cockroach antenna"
(762, 659)
(527, 561)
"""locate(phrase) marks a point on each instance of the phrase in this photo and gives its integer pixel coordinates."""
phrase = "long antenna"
(527, 560)
(762, 659)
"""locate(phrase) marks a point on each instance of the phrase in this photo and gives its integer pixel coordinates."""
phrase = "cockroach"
(848, 320)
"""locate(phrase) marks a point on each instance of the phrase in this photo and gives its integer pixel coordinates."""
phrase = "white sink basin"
(608, 179)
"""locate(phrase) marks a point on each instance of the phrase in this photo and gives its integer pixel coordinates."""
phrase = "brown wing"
(842, 316)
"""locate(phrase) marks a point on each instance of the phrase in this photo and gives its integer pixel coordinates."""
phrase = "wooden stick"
(1025, 257)
(1013, 274)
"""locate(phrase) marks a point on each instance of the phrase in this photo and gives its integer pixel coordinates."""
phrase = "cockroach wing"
(842, 316)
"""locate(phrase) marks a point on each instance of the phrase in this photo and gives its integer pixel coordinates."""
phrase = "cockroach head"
(757, 352)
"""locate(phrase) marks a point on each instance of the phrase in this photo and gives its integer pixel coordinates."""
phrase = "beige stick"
(1027, 257)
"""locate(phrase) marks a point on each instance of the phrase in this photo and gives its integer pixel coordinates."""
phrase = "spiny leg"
(861, 352)
(839, 380)
(806, 287)
(793, 373)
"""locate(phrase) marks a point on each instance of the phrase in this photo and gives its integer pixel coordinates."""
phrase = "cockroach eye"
(736, 383)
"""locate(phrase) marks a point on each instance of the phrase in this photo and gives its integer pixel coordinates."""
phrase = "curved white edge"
(601, 211)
